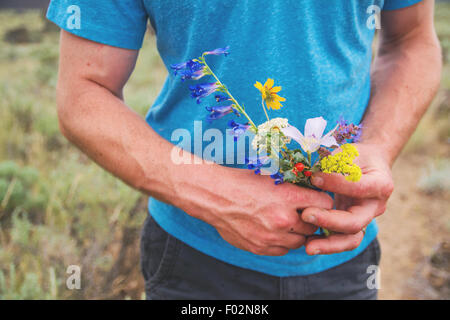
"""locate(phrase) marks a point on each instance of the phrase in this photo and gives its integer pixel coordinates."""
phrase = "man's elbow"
(65, 110)
(439, 55)
(435, 59)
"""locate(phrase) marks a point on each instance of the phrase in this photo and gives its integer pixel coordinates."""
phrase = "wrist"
(377, 152)
(196, 191)
(381, 146)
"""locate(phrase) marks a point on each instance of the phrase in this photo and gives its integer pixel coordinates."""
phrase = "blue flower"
(256, 163)
(221, 97)
(178, 66)
(218, 112)
(278, 177)
(190, 70)
(203, 90)
(238, 128)
(224, 51)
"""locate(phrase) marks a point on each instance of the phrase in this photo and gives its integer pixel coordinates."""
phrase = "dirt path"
(411, 228)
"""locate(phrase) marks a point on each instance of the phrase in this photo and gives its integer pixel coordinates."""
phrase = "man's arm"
(405, 77)
(248, 211)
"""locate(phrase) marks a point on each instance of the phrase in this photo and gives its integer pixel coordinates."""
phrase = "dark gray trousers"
(175, 271)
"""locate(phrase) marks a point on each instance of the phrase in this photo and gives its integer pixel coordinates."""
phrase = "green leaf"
(299, 157)
(289, 176)
(285, 165)
(316, 167)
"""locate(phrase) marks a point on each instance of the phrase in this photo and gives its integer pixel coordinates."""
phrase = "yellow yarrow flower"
(342, 163)
(269, 94)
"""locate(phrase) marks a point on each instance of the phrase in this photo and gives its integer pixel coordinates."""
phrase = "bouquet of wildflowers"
(271, 138)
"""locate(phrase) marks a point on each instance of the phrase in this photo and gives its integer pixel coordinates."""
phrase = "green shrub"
(20, 187)
(436, 178)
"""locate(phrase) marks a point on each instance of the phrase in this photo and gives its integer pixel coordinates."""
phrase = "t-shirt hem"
(397, 5)
(222, 253)
(95, 34)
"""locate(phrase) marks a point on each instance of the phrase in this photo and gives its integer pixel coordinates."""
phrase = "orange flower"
(269, 94)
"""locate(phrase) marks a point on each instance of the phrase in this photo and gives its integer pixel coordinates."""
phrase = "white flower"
(269, 137)
(313, 139)
(274, 123)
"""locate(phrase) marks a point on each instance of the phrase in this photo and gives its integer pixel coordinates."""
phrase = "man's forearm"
(405, 78)
(120, 141)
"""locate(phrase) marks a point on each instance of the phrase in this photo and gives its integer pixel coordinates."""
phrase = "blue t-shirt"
(319, 51)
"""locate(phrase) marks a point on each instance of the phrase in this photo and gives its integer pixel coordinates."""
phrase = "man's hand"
(247, 210)
(405, 78)
(357, 203)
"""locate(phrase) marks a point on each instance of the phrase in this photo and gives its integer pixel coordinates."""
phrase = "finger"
(370, 186)
(268, 251)
(274, 251)
(303, 228)
(290, 241)
(334, 243)
(240, 243)
(288, 222)
(350, 222)
(302, 198)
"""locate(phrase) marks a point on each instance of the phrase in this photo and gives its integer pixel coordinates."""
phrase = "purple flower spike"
(357, 137)
(238, 129)
(278, 177)
(219, 112)
(178, 66)
(224, 51)
(347, 133)
(256, 163)
(203, 90)
(190, 70)
(220, 97)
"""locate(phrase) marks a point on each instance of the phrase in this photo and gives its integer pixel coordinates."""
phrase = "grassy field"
(58, 209)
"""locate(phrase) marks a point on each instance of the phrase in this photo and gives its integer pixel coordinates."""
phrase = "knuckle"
(283, 222)
(387, 189)
(269, 238)
(280, 223)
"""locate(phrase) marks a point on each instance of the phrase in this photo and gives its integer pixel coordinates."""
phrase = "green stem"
(264, 108)
(238, 106)
(309, 158)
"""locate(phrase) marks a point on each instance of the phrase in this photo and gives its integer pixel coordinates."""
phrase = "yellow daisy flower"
(269, 94)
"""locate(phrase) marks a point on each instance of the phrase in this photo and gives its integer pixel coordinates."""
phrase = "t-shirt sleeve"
(118, 23)
(398, 4)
